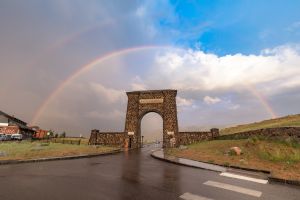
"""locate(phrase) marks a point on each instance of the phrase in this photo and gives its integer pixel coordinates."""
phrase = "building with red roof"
(12, 125)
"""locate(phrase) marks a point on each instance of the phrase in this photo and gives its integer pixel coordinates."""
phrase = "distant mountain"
(287, 121)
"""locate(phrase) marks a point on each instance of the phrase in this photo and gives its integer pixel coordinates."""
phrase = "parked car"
(7, 137)
(17, 137)
(2, 137)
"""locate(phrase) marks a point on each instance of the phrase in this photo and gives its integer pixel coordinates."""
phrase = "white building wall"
(3, 124)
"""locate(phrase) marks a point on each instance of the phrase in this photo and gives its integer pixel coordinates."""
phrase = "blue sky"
(230, 27)
(231, 61)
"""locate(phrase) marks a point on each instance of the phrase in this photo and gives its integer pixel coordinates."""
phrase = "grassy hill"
(287, 121)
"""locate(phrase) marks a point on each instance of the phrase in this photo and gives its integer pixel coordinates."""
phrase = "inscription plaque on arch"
(143, 101)
(130, 133)
(170, 132)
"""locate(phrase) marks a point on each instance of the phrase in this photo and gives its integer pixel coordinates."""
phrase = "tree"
(50, 133)
(63, 135)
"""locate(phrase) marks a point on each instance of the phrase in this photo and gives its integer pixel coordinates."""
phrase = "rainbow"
(111, 55)
(262, 100)
(85, 68)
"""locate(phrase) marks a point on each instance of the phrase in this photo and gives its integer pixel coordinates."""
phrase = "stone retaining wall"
(186, 138)
(107, 138)
(121, 139)
(267, 132)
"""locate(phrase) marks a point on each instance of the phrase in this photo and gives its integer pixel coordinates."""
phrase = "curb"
(284, 181)
(271, 179)
(242, 168)
(9, 162)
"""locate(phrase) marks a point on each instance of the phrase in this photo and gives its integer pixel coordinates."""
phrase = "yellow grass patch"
(282, 159)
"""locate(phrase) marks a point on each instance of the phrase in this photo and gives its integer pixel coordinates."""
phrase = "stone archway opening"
(151, 125)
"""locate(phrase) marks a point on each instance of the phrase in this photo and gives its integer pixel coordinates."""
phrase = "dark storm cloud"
(43, 42)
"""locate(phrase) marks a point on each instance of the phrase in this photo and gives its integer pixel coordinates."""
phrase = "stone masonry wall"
(121, 139)
(186, 138)
(107, 138)
(267, 132)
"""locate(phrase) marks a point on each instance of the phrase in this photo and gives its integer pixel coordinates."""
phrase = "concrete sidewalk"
(159, 154)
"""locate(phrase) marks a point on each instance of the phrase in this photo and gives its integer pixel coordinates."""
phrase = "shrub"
(63, 135)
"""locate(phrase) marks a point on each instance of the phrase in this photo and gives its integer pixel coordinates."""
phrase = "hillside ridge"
(286, 121)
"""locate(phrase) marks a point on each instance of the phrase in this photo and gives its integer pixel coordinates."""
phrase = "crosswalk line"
(234, 188)
(230, 175)
(190, 196)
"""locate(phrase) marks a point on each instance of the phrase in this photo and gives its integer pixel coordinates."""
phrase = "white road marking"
(190, 196)
(262, 181)
(234, 188)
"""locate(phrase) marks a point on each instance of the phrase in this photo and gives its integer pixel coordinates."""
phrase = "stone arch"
(162, 102)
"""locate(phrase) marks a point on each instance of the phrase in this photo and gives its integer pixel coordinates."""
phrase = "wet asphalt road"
(129, 175)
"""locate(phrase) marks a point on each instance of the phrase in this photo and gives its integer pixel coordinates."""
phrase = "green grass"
(32, 150)
(287, 121)
(281, 157)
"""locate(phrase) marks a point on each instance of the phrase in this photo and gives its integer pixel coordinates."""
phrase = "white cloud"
(184, 102)
(294, 26)
(234, 107)
(211, 100)
(140, 11)
(111, 95)
(171, 61)
(197, 70)
(138, 84)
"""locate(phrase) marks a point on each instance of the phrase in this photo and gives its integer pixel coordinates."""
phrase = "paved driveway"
(129, 175)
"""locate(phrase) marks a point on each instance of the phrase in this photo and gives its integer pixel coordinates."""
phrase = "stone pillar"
(214, 133)
(93, 137)
(170, 126)
(132, 120)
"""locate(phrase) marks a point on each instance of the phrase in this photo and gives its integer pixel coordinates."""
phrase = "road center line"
(190, 196)
(230, 175)
(234, 188)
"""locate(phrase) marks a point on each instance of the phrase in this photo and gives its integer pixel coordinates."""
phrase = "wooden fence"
(66, 141)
